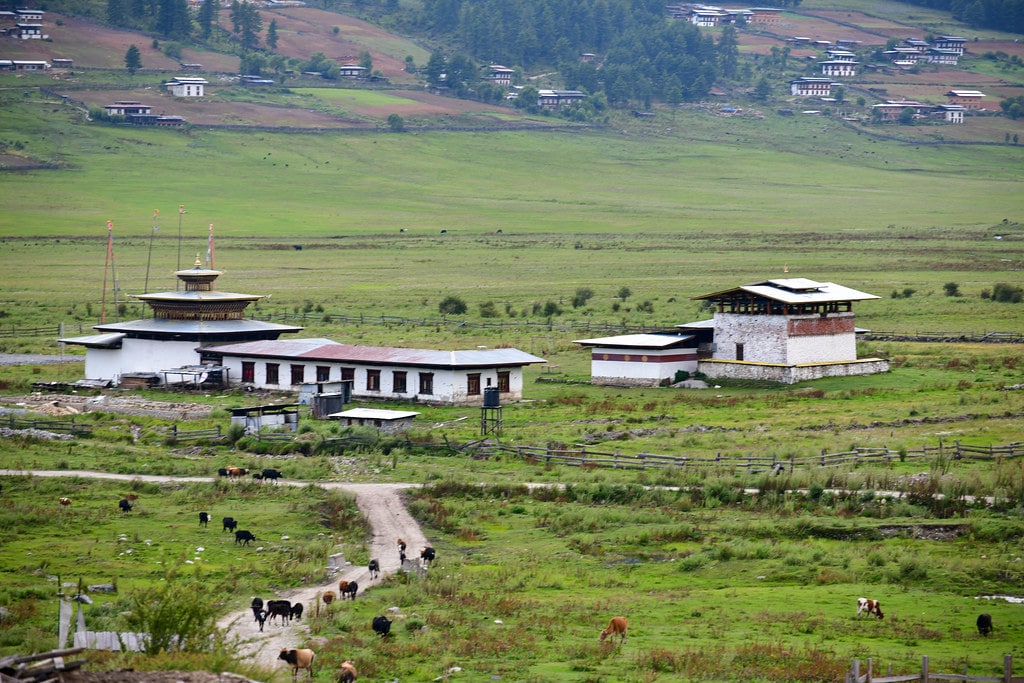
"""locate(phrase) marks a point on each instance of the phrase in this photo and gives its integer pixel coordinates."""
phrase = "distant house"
(557, 98)
(24, 65)
(381, 373)
(29, 15)
(351, 71)
(903, 56)
(946, 57)
(892, 109)
(29, 31)
(785, 330)
(970, 99)
(500, 75)
(950, 113)
(917, 45)
(254, 80)
(812, 87)
(838, 68)
(765, 15)
(841, 55)
(187, 86)
(708, 17)
(62, 63)
(641, 359)
(126, 107)
(955, 43)
(191, 67)
(385, 421)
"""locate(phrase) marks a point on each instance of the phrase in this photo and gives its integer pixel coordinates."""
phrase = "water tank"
(491, 397)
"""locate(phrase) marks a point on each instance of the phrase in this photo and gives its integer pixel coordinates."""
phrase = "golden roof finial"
(785, 269)
(199, 262)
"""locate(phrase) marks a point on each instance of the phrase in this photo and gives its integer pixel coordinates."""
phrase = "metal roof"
(647, 341)
(96, 341)
(194, 296)
(327, 350)
(795, 291)
(374, 414)
(197, 328)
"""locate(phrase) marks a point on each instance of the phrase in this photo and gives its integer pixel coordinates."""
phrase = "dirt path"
(384, 509)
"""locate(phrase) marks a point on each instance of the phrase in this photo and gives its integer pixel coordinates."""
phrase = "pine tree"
(132, 60)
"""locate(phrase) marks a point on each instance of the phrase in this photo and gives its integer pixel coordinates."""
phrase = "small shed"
(387, 421)
(256, 418)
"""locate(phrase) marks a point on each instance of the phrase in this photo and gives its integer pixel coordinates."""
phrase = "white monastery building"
(169, 342)
(641, 359)
(429, 376)
(786, 330)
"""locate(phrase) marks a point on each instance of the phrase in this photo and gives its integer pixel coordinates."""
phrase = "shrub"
(452, 305)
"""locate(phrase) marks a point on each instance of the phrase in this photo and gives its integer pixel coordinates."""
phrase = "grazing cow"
(64, 502)
(131, 497)
(279, 608)
(257, 607)
(350, 590)
(261, 617)
(374, 568)
(272, 475)
(257, 476)
(328, 597)
(382, 626)
(427, 556)
(985, 624)
(298, 659)
(401, 557)
(342, 587)
(222, 472)
(243, 536)
(348, 672)
(125, 505)
(234, 472)
(296, 612)
(870, 606)
(204, 519)
(616, 627)
(230, 524)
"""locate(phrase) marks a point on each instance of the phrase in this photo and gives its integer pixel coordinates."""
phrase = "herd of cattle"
(874, 607)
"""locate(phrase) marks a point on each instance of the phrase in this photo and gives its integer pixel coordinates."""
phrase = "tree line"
(1005, 15)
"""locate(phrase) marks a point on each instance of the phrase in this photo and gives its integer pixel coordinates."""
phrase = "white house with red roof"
(647, 359)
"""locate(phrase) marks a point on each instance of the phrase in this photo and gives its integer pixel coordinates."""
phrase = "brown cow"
(616, 627)
(348, 672)
(64, 502)
(870, 606)
(329, 597)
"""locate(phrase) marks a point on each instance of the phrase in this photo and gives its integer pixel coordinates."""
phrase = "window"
(298, 374)
(323, 373)
(248, 371)
(373, 380)
(504, 385)
(348, 374)
(272, 370)
(426, 383)
(398, 382)
(739, 352)
(473, 384)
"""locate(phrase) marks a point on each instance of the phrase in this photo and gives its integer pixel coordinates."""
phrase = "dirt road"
(383, 507)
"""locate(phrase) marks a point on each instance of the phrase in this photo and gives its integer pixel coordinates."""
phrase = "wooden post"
(1007, 668)
(870, 669)
(855, 672)
(924, 669)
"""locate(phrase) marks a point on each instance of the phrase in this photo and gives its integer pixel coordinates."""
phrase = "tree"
(174, 620)
(395, 123)
(624, 293)
(951, 289)
(906, 116)
(763, 90)
(207, 17)
(452, 305)
(435, 68)
(272, 34)
(366, 61)
(132, 60)
(582, 296)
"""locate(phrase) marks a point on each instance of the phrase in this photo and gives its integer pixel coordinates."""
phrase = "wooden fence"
(59, 426)
(212, 434)
(924, 676)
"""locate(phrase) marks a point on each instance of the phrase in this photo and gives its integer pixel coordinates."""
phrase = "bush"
(452, 305)
(1006, 293)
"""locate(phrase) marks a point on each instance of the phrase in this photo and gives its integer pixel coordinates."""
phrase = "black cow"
(125, 505)
(272, 475)
(350, 590)
(382, 626)
(374, 568)
(296, 611)
(261, 617)
(279, 608)
(230, 524)
(427, 555)
(985, 624)
(222, 472)
(204, 519)
(243, 536)
(257, 607)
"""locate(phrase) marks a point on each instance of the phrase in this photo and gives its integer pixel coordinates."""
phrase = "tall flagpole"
(149, 258)
(181, 212)
(209, 250)
(110, 251)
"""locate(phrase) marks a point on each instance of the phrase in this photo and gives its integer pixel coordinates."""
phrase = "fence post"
(174, 432)
(855, 671)
(822, 457)
(1007, 668)
(924, 669)
(218, 431)
(871, 669)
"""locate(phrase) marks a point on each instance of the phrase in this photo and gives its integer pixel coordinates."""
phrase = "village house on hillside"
(786, 330)
(187, 86)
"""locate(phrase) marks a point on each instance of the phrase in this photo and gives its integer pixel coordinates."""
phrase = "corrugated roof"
(374, 414)
(96, 341)
(648, 341)
(796, 291)
(327, 350)
(193, 296)
(168, 326)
